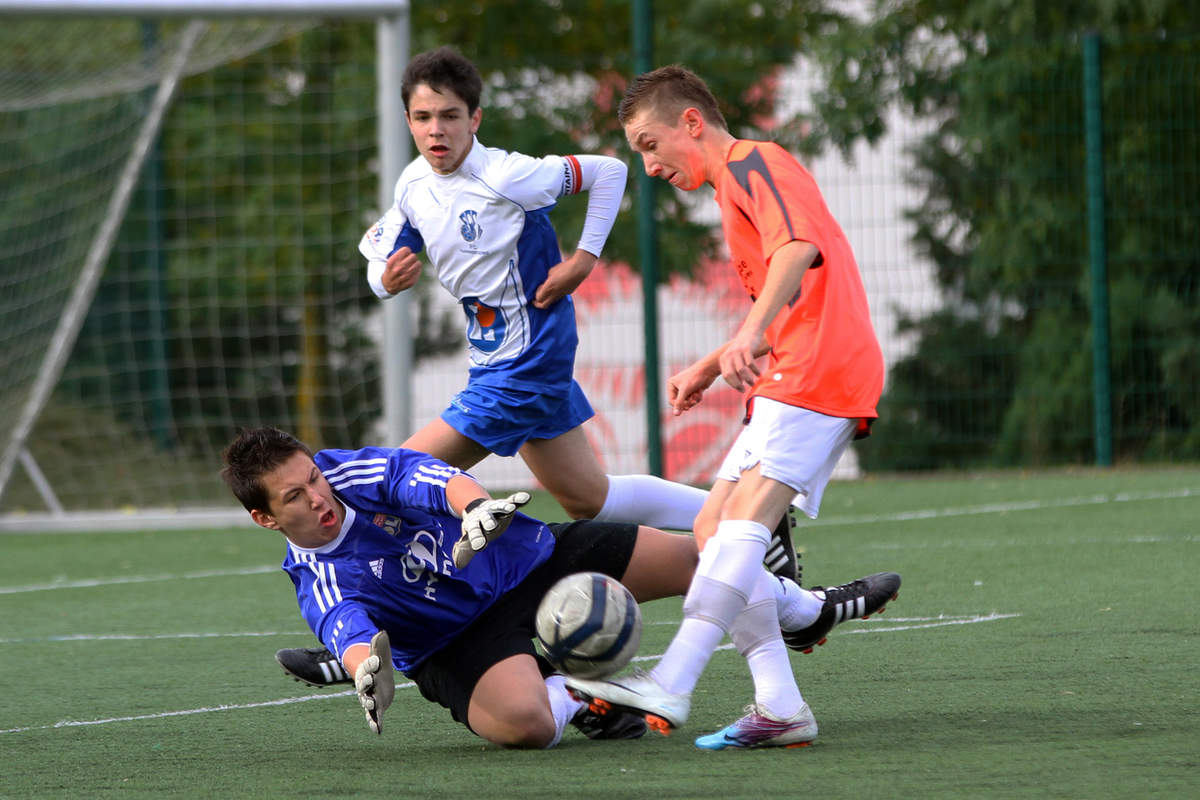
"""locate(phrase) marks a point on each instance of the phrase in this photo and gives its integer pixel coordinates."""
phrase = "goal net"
(180, 207)
(180, 203)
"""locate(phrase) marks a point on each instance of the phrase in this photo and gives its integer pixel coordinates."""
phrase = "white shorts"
(792, 445)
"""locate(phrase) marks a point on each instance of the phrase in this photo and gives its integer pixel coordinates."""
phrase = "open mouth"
(328, 519)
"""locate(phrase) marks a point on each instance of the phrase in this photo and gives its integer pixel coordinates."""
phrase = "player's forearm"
(354, 655)
(710, 365)
(461, 490)
(786, 273)
(603, 178)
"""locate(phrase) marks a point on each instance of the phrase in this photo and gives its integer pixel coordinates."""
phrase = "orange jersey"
(824, 354)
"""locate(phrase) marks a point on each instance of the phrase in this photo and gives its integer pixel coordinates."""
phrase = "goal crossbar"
(204, 8)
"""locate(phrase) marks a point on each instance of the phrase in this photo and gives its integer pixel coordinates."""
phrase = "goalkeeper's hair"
(442, 69)
(666, 92)
(253, 454)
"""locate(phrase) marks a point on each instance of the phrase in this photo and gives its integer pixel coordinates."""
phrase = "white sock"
(647, 500)
(755, 633)
(729, 568)
(687, 656)
(563, 706)
(797, 607)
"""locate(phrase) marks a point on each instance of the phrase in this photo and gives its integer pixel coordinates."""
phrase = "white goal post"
(28, 316)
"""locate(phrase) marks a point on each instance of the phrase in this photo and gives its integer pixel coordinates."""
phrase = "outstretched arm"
(686, 388)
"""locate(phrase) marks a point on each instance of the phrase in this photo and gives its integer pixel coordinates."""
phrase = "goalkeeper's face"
(442, 127)
(301, 504)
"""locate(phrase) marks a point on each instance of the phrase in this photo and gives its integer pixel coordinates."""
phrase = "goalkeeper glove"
(483, 520)
(375, 682)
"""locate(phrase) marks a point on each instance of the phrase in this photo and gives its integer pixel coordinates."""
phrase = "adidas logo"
(377, 567)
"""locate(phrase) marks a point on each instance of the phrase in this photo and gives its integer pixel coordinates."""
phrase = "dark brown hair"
(442, 69)
(253, 454)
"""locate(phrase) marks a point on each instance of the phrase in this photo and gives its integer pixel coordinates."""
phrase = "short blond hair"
(666, 92)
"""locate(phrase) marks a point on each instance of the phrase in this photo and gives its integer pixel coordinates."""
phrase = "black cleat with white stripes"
(854, 600)
(781, 558)
(616, 724)
(315, 666)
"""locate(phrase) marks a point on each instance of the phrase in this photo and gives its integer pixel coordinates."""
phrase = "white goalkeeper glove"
(483, 520)
(375, 681)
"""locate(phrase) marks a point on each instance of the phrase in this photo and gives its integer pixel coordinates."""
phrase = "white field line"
(899, 516)
(88, 583)
(925, 622)
(74, 723)
(146, 637)
(1008, 507)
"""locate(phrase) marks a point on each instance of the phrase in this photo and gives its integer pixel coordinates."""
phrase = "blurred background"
(1019, 181)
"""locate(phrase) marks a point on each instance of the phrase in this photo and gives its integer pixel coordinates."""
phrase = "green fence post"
(643, 60)
(1097, 252)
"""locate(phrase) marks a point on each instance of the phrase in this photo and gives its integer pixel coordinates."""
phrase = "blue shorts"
(502, 419)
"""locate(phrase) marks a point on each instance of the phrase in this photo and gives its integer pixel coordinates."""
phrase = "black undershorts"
(448, 677)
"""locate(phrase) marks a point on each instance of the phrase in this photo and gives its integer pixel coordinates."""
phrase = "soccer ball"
(589, 625)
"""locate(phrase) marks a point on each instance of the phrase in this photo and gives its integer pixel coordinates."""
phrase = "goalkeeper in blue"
(398, 562)
(401, 561)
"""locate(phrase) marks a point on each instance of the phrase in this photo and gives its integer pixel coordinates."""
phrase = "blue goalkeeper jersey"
(391, 568)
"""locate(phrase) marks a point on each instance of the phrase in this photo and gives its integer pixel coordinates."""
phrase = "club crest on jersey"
(390, 525)
(469, 229)
(486, 326)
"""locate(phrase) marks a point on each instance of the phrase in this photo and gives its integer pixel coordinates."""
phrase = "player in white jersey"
(480, 216)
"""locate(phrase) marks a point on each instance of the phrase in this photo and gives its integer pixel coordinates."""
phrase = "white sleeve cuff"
(375, 269)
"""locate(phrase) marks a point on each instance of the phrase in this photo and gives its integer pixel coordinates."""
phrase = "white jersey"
(486, 232)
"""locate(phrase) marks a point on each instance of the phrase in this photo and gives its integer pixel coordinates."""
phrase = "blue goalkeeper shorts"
(502, 419)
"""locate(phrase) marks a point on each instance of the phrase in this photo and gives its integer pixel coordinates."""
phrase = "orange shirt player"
(823, 379)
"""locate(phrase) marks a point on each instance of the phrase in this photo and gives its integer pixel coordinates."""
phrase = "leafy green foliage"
(1004, 222)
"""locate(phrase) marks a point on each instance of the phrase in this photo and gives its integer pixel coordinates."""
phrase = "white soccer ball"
(589, 625)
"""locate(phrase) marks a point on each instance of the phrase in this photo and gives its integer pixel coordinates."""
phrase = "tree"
(1002, 373)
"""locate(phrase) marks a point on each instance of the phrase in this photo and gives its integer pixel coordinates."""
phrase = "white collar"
(347, 523)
